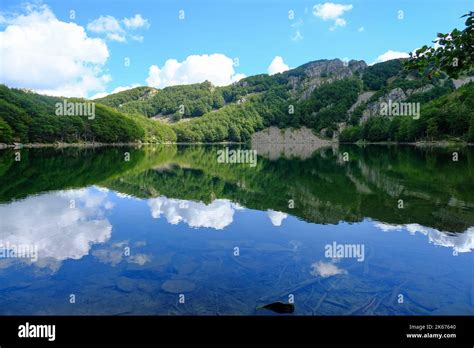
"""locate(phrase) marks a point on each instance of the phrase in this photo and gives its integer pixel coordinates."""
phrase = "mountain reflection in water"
(130, 237)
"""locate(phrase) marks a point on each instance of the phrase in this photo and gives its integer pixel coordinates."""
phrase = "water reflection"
(61, 225)
(460, 243)
(217, 214)
(120, 251)
(276, 217)
(129, 238)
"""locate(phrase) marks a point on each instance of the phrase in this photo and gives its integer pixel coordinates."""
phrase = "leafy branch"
(453, 53)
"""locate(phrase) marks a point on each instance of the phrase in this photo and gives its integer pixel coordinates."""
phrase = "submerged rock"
(125, 284)
(177, 286)
(186, 268)
(279, 307)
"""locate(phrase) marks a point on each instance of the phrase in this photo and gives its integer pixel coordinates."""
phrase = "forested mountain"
(327, 96)
(27, 117)
(176, 101)
(448, 116)
(120, 98)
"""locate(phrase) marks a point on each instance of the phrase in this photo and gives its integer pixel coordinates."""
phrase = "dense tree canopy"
(232, 123)
(185, 101)
(28, 117)
(375, 77)
(449, 116)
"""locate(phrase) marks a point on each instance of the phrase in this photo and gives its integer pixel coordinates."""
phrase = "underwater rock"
(279, 307)
(147, 285)
(186, 268)
(125, 284)
(177, 286)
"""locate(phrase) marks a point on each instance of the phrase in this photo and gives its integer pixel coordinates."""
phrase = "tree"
(176, 117)
(350, 134)
(432, 129)
(375, 76)
(470, 134)
(234, 134)
(376, 129)
(6, 133)
(454, 53)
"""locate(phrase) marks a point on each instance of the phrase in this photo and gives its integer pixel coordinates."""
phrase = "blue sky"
(254, 32)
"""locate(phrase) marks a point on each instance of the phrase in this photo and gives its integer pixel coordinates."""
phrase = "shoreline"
(88, 145)
(441, 143)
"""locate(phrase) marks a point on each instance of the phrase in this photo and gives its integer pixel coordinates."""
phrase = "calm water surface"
(131, 237)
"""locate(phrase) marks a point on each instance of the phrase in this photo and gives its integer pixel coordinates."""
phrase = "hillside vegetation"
(335, 100)
(176, 101)
(448, 116)
(27, 117)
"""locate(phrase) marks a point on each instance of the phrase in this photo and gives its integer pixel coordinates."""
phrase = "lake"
(173, 230)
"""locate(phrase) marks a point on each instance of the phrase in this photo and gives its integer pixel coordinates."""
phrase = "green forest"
(27, 117)
(450, 116)
(177, 101)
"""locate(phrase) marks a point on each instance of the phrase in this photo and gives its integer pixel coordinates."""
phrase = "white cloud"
(115, 90)
(389, 55)
(58, 231)
(326, 269)
(333, 12)
(340, 22)
(125, 196)
(361, 29)
(277, 66)
(330, 11)
(138, 38)
(460, 242)
(387, 227)
(111, 256)
(109, 26)
(136, 21)
(276, 217)
(112, 28)
(124, 88)
(139, 259)
(217, 215)
(216, 68)
(116, 37)
(49, 56)
(114, 254)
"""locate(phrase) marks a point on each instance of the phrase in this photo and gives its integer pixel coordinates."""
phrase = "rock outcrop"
(274, 143)
(306, 78)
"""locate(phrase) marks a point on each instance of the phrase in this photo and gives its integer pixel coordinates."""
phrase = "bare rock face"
(333, 67)
(340, 127)
(423, 89)
(461, 82)
(362, 98)
(274, 143)
(314, 74)
(395, 95)
(373, 109)
(274, 135)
